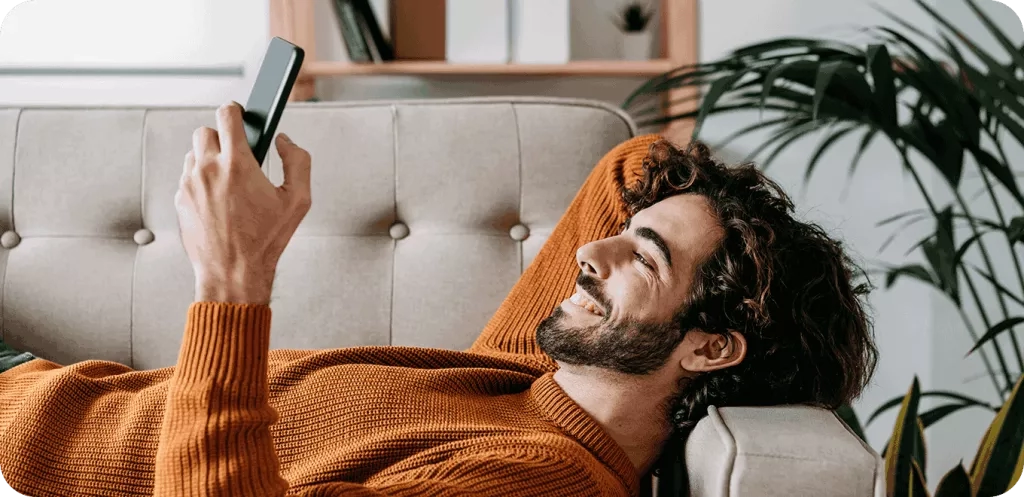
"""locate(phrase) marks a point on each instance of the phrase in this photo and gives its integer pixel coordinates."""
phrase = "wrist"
(248, 289)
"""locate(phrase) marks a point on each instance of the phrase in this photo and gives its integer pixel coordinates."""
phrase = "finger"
(205, 142)
(189, 165)
(231, 129)
(296, 163)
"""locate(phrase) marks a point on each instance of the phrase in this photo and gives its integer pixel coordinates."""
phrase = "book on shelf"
(364, 40)
(351, 32)
(379, 44)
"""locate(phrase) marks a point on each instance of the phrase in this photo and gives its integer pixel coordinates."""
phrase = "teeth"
(585, 303)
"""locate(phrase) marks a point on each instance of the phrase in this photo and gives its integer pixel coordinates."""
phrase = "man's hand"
(234, 222)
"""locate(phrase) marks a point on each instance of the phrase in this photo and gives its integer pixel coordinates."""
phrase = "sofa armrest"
(780, 451)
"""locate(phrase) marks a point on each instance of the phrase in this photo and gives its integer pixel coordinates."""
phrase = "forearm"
(215, 437)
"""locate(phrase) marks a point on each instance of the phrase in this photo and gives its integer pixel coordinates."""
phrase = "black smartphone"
(278, 71)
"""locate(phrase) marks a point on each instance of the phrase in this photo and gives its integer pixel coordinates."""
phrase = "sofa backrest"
(425, 213)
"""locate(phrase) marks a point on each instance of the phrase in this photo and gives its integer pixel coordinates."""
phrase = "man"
(671, 283)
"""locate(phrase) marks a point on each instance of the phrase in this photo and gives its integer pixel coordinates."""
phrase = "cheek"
(634, 298)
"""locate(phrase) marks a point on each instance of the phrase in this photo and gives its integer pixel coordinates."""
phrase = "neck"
(629, 408)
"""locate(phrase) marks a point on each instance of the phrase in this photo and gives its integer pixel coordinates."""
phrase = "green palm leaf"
(995, 331)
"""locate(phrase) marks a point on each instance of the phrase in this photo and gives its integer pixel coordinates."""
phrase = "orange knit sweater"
(232, 418)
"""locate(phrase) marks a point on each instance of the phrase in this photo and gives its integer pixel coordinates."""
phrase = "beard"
(633, 347)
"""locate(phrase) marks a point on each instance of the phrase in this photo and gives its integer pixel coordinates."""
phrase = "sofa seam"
(3, 277)
(138, 248)
(394, 241)
(519, 156)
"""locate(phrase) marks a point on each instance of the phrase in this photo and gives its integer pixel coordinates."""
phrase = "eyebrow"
(653, 236)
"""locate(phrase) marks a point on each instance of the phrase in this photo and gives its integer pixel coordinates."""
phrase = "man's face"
(635, 282)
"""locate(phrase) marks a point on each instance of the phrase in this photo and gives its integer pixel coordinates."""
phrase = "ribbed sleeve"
(215, 438)
(596, 212)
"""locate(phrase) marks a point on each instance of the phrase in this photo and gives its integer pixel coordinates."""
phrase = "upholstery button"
(9, 239)
(519, 232)
(399, 231)
(143, 237)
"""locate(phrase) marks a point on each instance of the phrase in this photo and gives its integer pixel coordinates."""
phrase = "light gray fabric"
(410, 240)
(786, 450)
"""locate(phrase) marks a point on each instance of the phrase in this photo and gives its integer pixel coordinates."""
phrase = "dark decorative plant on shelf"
(634, 17)
(953, 111)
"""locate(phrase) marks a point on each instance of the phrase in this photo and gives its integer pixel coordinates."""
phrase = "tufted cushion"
(424, 215)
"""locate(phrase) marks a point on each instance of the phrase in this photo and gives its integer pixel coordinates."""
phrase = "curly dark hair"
(783, 284)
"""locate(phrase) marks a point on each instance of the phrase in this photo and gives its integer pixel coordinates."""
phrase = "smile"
(584, 302)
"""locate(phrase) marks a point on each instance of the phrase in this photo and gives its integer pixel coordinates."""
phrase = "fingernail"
(285, 138)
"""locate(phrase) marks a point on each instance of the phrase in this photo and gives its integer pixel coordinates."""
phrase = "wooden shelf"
(422, 68)
(294, 21)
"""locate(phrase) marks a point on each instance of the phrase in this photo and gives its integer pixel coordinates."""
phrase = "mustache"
(592, 287)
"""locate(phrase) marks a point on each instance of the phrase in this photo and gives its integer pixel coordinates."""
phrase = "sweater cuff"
(226, 343)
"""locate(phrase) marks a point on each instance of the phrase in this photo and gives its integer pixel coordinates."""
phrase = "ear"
(704, 352)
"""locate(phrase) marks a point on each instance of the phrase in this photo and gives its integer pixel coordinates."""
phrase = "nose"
(590, 261)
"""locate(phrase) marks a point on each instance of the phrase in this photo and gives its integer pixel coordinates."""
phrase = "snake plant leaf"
(849, 416)
(919, 453)
(899, 457)
(956, 483)
(961, 399)
(995, 331)
(880, 65)
(918, 487)
(997, 466)
(927, 419)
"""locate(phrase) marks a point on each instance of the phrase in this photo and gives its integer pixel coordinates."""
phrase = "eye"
(642, 260)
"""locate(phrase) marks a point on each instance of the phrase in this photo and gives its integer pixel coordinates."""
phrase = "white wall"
(227, 35)
(915, 330)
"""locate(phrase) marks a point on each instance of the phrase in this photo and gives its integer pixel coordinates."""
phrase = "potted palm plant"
(938, 110)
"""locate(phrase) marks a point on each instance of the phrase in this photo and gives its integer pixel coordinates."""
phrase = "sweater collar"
(567, 414)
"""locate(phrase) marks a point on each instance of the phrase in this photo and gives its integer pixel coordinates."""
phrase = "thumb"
(295, 162)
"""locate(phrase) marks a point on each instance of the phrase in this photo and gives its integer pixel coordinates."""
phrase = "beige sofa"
(424, 215)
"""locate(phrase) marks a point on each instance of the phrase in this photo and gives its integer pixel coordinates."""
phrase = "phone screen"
(278, 71)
